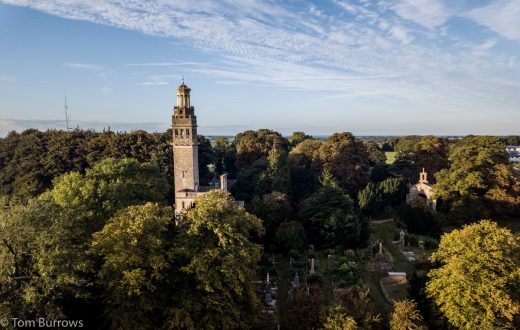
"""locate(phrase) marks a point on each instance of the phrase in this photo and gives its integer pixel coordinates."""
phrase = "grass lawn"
(385, 233)
(378, 298)
(390, 156)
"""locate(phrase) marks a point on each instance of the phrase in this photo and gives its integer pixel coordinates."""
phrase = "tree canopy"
(478, 282)
(215, 240)
(479, 180)
(347, 159)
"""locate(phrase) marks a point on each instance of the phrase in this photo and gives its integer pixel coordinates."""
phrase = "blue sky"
(368, 67)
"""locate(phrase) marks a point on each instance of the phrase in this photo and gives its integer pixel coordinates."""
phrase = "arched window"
(176, 133)
(187, 133)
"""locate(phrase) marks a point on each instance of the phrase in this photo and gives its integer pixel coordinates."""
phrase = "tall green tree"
(205, 159)
(277, 174)
(110, 185)
(134, 250)
(330, 219)
(253, 145)
(347, 158)
(479, 181)
(478, 282)
(370, 199)
(273, 209)
(305, 168)
(224, 155)
(221, 259)
(375, 154)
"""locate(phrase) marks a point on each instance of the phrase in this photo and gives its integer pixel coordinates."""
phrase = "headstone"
(296, 282)
(291, 260)
(267, 279)
(421, 244)
(401, 239)
(312, 266)
(381, 248)
(398, 277)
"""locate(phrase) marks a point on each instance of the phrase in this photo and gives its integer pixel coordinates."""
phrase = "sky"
(368, 67)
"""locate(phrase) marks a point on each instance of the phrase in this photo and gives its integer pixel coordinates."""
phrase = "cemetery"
(384, 268)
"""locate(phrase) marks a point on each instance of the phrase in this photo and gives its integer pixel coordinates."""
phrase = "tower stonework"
(185, 150)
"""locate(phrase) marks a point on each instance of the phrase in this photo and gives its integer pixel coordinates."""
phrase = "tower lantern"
(183, 95)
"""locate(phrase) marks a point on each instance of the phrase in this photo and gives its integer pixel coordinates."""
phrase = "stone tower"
(185, 150)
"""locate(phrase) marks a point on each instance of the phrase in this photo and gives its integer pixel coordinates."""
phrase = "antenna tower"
(67, 117)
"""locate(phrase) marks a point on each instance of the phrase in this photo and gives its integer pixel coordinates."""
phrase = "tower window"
(176, 133)
(183, 205)
(187, 133)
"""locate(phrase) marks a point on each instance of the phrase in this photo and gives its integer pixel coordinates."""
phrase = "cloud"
(427, 13)
(84, 66)
(503, 17)
(401, 50)
(401, 34)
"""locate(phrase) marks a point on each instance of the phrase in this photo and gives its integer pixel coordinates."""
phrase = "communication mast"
(67, 117)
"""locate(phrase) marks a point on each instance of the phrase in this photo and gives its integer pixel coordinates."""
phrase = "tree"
(19, 228)
(133, 247)
(253, 145)
(205, 157)
(405, 316)
(417, 219)
(224, 155)
(273, 208)
(305, 167)
(414, 153)
(277, 175)
(290, 235)
(347, 159)
(479, 180)
(375, 154)
(25, 172)
(370, 199)
(305, 308)
(110, 185)
(478, 282)
(330, 219)
(432, 155)
(407, 144)
(220, 264)
(356, 302)
(393, 191)
(297, 137)
(337, 319)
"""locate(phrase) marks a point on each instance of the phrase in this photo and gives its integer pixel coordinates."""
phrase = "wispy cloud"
(390, 48)
(428, 13)
(503, 17)
(84, 66)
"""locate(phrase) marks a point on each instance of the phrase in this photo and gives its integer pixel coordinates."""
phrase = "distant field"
(390, 156)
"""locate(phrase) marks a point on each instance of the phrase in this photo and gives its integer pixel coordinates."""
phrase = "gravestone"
(401, 239)
(312, 266)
